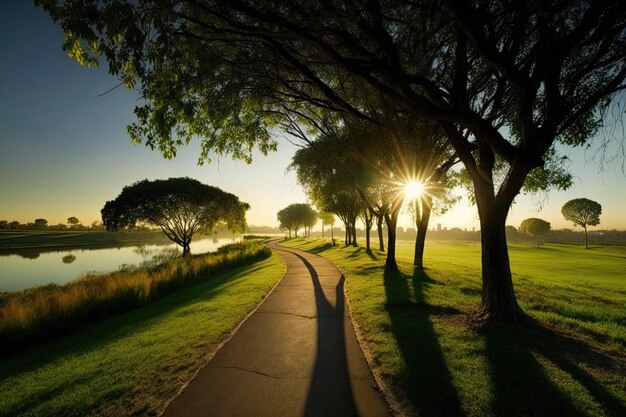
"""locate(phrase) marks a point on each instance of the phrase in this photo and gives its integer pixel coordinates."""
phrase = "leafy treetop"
(179, 206)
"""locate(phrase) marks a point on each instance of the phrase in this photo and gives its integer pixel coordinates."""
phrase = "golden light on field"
(413, 190)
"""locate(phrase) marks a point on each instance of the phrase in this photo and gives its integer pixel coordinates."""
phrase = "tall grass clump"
(50, 311)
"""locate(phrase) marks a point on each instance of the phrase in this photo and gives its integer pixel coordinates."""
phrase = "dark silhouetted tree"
(535, 227)
(73, 221)
(40, 224)
(582, 212)
(179, 206)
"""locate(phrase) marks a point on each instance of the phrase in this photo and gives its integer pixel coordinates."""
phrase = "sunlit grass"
(50, 311)
(133, 363)
(418, 329)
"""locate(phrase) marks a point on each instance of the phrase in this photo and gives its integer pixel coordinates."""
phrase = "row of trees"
(39, 224)
(499, 84)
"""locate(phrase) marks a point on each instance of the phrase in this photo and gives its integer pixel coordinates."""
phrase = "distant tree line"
(42, 224)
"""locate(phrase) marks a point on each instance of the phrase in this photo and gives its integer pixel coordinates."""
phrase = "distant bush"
(50, 311)
(257, 237)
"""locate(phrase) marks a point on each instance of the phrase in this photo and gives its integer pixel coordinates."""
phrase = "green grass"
(418, 328)
(133, 363)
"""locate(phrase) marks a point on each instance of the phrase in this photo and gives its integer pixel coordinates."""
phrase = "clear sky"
(64, 150)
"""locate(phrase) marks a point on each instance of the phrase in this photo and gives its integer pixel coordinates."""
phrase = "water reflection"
(33, 267)
(68, 259)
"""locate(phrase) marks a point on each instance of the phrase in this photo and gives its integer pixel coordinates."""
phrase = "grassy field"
(134, 363)
(439, 363)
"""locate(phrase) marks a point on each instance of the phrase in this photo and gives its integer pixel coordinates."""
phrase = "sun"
(413, 189)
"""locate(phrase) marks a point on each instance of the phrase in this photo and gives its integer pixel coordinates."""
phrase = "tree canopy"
(582, 212)
(504, 80)
(535, 227)
(73, 221)
(296, 216)
(179, 206)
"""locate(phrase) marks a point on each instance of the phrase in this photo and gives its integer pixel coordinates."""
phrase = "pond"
(30, 269)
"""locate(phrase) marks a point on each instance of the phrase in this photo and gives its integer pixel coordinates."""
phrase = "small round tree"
(295, 216)
(179, 206)
(535, 227)
(73, 221)
(582, 212)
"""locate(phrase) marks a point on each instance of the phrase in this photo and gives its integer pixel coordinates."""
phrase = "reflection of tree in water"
(29, 254)
(161, 257)
(68, 259)
(143, 251)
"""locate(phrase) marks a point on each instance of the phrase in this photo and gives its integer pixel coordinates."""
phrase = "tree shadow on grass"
(522, 386)
(426, 379)
(321, 248)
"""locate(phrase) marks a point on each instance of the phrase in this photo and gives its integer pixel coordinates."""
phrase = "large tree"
(504, 79)
(179, 206)
(582, 212)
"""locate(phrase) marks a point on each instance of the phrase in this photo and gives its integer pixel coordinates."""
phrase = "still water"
(18, 272)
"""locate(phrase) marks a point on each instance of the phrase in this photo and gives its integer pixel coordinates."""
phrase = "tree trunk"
(354, 242)
(499, 304)
(391, 220)
(346, 240)
(322, 230)
(421, 223)
(586, 240)
(379, 226)
(186, 249)
(368, 227)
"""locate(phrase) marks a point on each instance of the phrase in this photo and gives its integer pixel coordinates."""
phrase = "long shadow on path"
(330, 392)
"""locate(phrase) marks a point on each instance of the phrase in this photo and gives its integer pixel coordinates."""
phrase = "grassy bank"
(439, 364)
(133, 363)
(43, 313)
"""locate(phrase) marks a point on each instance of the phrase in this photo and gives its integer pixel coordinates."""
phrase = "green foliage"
(179, 206)
(47, 312)
(535, 227)
(582, 212)
(295, 216)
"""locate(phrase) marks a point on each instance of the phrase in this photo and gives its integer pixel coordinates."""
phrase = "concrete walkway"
(297, 355)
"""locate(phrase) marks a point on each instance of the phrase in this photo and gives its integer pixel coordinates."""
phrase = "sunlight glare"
(413, 189)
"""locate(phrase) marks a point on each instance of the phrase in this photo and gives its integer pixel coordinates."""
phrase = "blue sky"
(64, 150)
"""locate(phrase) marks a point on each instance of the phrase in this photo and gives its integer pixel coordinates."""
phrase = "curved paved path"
(297, 355)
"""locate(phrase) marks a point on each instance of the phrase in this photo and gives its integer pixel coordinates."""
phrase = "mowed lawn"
(133, 363)
(438, 362)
